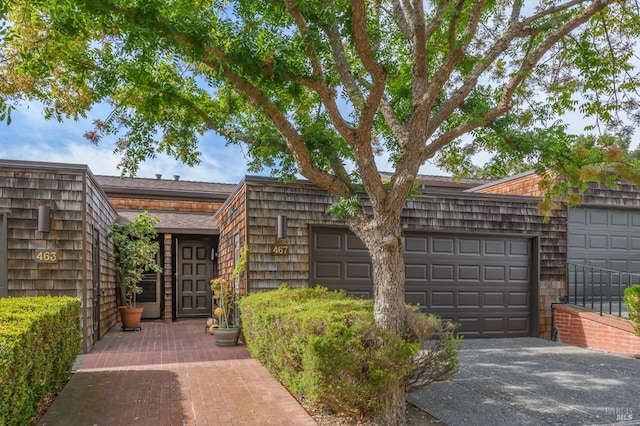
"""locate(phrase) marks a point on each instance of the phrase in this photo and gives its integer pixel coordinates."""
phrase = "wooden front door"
(194, 272)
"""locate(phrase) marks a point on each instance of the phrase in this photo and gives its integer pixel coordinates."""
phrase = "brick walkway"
(171, 374)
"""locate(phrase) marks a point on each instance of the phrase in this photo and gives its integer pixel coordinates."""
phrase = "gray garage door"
(483, 283)
(608, 240)
(605, 238)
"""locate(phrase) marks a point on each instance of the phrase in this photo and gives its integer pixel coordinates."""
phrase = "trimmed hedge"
(632, 300)
(326, 350)
(39, 340)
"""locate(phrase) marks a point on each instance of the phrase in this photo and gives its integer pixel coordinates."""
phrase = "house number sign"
(279, 249)
(46, 256)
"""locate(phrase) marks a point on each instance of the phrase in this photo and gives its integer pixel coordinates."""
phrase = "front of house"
(480, 255)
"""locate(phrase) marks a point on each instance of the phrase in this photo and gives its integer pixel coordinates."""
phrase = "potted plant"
(226, 330)
(134, 252)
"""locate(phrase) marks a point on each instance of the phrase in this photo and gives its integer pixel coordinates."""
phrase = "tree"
(323, 88)
(134, 252)
(509, 165)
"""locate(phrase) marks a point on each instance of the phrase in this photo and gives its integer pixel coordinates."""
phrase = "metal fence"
(599, 289)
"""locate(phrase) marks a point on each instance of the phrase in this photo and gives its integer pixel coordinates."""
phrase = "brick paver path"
(172, 374)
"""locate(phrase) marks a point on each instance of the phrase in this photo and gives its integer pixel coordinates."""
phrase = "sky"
(30, 137)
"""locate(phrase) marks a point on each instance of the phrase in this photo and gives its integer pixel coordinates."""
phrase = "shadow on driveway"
(529, 381)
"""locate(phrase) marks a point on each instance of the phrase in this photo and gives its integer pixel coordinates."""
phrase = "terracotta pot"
(226, 336)
(130, 317)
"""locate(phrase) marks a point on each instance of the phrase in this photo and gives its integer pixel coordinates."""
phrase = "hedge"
(39, 340)
(326, 350)
(632, 300)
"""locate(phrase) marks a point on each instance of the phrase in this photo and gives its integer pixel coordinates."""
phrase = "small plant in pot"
(134, 252)
(225, 331)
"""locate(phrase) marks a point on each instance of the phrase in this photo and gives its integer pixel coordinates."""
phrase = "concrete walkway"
(171, 374)
(528, 381)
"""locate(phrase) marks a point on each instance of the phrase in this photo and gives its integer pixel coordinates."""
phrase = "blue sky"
(32, 138)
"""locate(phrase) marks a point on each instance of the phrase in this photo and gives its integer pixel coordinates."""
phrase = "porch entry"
(194, 270)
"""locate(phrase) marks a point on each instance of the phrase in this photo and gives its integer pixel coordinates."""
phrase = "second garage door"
(483, 283)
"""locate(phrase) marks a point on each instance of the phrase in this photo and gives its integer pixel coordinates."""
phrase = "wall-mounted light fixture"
(282, 227)
(44, 217)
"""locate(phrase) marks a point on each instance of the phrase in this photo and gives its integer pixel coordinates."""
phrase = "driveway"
(529, 381)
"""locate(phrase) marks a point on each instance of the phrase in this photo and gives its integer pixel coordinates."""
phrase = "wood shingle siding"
(81, 208)
(305, 205)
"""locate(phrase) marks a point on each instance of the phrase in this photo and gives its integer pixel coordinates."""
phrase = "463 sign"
(279, 249)
(46, 256)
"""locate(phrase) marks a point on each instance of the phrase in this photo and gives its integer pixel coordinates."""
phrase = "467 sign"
(279, 249)
(46, 256)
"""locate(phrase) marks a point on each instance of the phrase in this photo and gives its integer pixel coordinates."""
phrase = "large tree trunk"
(385, 248)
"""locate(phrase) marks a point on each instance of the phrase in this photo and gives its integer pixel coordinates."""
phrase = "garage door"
(609, 241)
(604, 238)
(483, 283)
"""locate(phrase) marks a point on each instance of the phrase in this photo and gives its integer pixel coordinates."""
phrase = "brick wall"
(582, 327)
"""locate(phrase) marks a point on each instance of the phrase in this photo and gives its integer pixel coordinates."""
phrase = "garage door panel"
(358, 271)
(417, 272)
(416, 298)
(478, 281)
(442, 272)
(519, 248)
(441, 299)
(518, 299)
(494, 299)
(619, 242)
(469, 246)
(495, 248)
(519, 273)
(328, 270)
(443, 246)
(494, 273)
(328, 242)
(416, 245)
(469, 273)
(595, 242)
(354, 244)
(619, 219)
(597, 217)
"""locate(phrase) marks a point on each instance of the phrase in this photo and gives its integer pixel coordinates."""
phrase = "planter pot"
(226, 336)
(130, 317)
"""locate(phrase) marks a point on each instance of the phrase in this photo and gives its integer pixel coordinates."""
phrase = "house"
(475, 252)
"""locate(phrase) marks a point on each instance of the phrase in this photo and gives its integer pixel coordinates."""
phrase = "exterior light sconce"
(282, 227)
(44, 217)
(281, 247)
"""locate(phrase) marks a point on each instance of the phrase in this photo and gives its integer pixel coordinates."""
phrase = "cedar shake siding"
(450, 212)
(83, 216)
(526, 184)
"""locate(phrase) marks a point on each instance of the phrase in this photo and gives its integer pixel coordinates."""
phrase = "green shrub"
(39, 341)
(632, 300)
(325, 348)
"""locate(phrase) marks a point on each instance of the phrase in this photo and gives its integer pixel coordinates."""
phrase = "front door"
(194, 272)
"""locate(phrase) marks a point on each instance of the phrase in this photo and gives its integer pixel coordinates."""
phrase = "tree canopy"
(329, 88)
